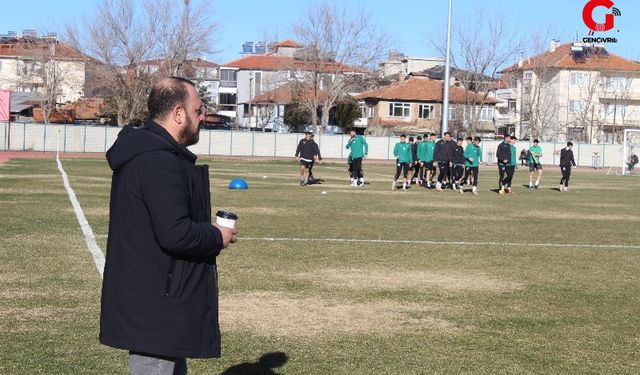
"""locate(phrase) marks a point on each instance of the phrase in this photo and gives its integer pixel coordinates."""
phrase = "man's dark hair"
(459, 139)
(469, 139)
(419, 138)
(569, 144)
(403, 136)
(507, 136)
(426, 135)
(167, 94)
(477, 139)
(445, 133)
(535, 141)
(410, 139)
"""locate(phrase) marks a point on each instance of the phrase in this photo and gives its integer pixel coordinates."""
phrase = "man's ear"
(177, 114)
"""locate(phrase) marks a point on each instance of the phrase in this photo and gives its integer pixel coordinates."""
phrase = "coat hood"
(133, 141)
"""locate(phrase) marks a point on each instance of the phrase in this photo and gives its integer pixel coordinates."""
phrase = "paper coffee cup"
(226, 219)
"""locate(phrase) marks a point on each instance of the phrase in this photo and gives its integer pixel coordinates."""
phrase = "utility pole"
(445, 98)
(250, 92)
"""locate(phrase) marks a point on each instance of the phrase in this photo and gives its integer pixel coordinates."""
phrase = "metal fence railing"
(90, 138)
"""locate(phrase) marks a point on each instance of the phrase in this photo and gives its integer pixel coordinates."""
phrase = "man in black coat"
(443, 155)
(566, 162)
(503, 153)
(160, 292)
(307, 151)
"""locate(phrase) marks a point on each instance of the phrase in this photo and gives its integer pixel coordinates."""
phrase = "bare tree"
(480, 48)
(340, 44)
(187, 37)
(45, 71)
(540, 108)
(128, 34)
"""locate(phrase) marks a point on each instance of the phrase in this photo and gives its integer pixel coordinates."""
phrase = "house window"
(228, 102)
(616, 83)
(513, 82)
(452, 112)
(228, 78)
(577, 106)
(574, 134)
(485, 113)
(363, 113)
(425, 111)
(618, 110)
(511, 104)
(400, 109)
(579, 79)
(527, 76)
(370, 111)
(258, 83)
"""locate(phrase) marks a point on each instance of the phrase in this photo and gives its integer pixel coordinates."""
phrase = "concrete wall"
(81, 138)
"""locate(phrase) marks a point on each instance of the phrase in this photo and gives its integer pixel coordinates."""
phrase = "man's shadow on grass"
(264, 366)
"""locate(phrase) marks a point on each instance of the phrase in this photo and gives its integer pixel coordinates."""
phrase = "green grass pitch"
(538, 282)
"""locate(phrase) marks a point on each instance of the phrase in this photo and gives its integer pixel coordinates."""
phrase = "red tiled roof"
(194, 62)
(272, 62)
(264, 62)
(39, 48)
(561, 58)
(285, 94)
(419, 89)
(289, 43)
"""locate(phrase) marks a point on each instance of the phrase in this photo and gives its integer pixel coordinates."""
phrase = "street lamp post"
(445, 98)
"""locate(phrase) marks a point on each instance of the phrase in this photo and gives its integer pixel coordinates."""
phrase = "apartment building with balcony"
(30, 63)
(574, 91)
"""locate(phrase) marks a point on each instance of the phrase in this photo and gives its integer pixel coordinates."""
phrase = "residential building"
(574, 91)
(43, 64)
(244, 79)
(200, 71)
(398, 66)
(414, 106)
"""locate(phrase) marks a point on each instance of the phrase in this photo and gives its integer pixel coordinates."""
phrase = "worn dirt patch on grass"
(91, 211)
(31, 176)
(280, 314)
(584, 216)
(267, 211)
(395, 280)
(31, 191)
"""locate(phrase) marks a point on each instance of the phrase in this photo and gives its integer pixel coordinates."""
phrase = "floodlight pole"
(624, 153)
(445, 97)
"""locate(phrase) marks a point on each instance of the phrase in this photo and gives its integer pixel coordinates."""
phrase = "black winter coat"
(566, 158)
(159, 293)
(444, 150)
(504, 153)
(458, 155)
(307, 149)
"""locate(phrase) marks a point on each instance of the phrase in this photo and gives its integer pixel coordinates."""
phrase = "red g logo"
(587, 15)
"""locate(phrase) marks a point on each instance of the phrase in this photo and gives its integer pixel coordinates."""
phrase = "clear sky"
(412, 24)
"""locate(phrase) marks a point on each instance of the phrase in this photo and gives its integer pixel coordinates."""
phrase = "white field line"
(98, 257)
(425, 242)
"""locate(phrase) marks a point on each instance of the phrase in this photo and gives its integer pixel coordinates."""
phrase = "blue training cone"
(238, 183)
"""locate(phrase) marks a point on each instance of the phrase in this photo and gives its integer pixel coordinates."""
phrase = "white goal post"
(631, 147)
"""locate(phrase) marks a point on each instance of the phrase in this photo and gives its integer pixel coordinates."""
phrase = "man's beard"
(187, 136)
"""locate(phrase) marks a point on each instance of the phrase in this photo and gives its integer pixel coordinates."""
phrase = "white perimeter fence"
(88, 138)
